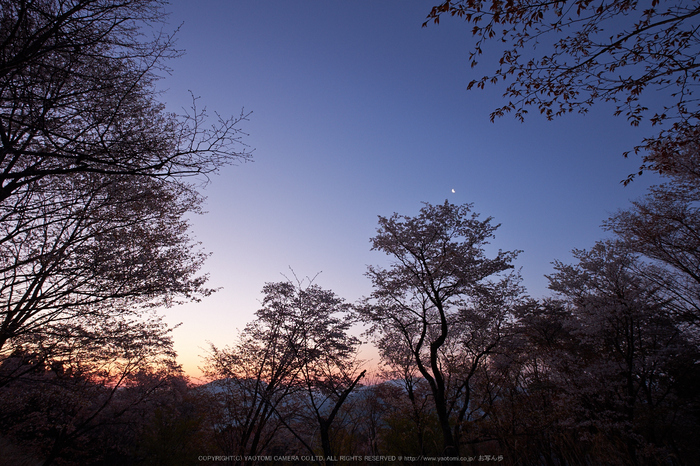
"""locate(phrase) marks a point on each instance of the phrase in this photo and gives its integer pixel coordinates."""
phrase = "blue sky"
(359, 112)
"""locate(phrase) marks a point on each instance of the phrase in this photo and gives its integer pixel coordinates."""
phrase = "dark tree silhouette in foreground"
(87, 247)
(77, 95)
(93, 202)
(92, 197)
(442, 299)
(627, 348)
(290, 372)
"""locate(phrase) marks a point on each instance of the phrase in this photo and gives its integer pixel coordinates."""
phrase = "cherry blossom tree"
(85, 247)
(292, 369)
(443, 300)
(564, 56)
(77, 95)
(627, 342)
(664, 226)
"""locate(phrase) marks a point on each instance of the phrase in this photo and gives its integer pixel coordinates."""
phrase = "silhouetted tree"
(77, 95)
(92, 201)
(292, 369)
(520, 391)
(566, 55)
(443, 300)
(97, 381)
(254, 378)
(93, 204)
(327, 355)
(664, 226)
(85, 247)
(627, 341)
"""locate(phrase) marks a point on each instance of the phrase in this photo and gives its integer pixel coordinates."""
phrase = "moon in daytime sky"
(453, 190)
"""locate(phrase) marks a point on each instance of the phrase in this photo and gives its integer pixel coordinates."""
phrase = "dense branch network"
(77, 95)
(563, 56)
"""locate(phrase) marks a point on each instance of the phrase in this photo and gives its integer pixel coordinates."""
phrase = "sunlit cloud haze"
(359, 112)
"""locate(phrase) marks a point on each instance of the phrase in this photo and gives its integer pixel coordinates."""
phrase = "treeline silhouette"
(96, 184)
(604, 372)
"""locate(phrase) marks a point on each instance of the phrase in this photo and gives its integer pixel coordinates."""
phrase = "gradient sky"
(359, 112)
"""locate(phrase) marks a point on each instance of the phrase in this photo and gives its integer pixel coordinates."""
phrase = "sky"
(358, 111)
